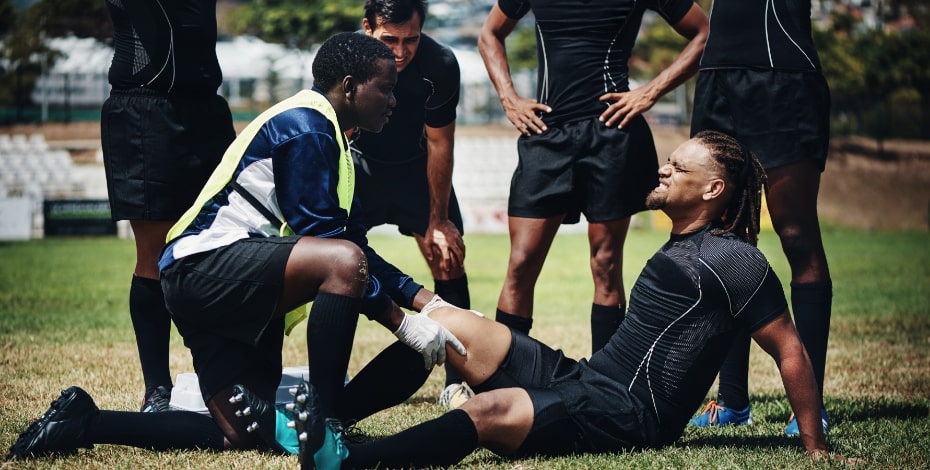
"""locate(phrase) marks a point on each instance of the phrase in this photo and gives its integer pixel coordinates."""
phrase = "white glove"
(438, 302)
(427, 337)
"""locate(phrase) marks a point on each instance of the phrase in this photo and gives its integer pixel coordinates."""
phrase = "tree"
(908, 58)
(296, 23)
(24, 42)
(7, 16)
(521, 48)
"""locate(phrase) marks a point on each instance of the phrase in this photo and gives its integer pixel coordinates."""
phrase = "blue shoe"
(321, 445)
(792, 429)
(716, 415)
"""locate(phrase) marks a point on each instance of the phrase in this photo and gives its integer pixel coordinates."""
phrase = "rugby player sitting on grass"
(707, 282)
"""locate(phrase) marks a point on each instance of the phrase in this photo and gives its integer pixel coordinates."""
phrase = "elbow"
(485, 40)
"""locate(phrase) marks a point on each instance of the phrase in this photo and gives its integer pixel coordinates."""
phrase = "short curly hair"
(347, 54)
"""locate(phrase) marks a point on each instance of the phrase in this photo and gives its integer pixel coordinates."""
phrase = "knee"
(347, 262)
(487, 411)
(796, 241)
(523, 262)
(605, 263)
(503, 418)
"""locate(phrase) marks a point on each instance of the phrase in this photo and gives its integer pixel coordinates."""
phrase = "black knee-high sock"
(604, 323)
(734, 374)
(523, 325)
(171, 430)
(454, 291)
(396, 373)
(452, 375)
(812, 304)
(330, 334)
(152, 325)
(441, 442)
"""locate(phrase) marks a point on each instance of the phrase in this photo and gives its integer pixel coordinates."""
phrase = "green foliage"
(656, 48)
(521, 48)
(8, 16)
(295, 23)
(868, 68)
(23, 39)
(56, 18)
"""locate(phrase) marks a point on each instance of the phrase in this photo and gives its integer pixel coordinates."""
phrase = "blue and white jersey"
(294, 160)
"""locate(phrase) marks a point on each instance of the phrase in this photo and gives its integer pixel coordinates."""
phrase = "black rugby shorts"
(223, 302)
(398, 194)
(783, 117)
(159, 152)
(576, 409)
(584, 167)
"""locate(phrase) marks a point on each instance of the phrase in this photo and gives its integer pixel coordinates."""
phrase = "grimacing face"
(374, 99)
(684, 179)
(402, 38)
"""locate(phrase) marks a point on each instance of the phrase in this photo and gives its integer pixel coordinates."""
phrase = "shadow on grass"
(740, 441)
(851, 409)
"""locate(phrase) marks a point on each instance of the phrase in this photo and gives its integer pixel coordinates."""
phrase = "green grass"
(64, 321)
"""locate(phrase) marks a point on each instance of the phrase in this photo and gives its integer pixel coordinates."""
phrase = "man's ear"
(714, 189)
(367, 27)
(348, 87)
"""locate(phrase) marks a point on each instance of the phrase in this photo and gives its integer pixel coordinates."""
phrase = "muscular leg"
(451, 285)
(499, 420)
(332, 273)
(322, 265)
(457, 270)
(609, 307)
(530, 240)
(151, 321)
(792, 202)
(150, 239)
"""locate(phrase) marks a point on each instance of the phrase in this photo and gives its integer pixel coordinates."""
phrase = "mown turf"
(64, 321)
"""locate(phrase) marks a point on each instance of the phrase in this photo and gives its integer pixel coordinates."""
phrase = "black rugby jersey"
(583, 48)
(167, 46)
(763, 34)
(427, 93)
(684, 308)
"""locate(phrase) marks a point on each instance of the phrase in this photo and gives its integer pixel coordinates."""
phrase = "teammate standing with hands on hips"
(163, 131)
(761, 82)
(584, 146)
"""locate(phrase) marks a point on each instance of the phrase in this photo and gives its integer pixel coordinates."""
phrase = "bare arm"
(522, 112)
(780, 339)
(442, 237)
(628, 105)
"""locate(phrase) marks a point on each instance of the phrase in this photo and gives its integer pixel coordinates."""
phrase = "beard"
(655, 200)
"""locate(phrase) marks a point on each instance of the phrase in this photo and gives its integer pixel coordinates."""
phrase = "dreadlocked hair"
(745, 173)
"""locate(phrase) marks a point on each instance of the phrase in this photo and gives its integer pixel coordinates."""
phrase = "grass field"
(64, 321)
